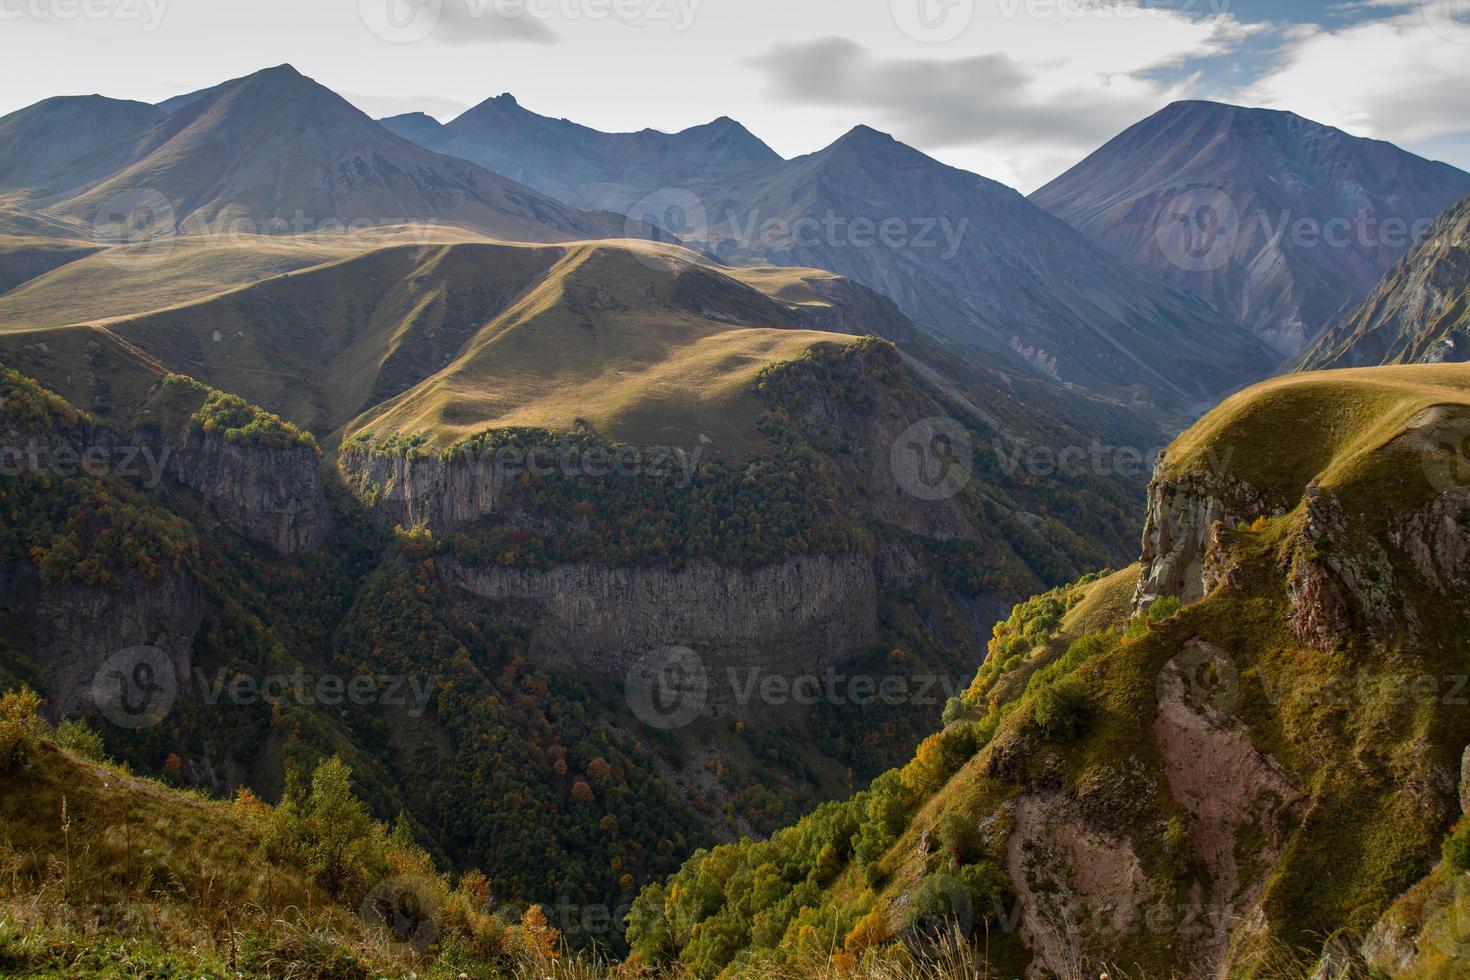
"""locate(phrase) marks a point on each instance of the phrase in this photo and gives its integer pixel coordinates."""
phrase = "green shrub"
(1456, 848)
(76, 736)
(1062, 711)
(20, 727)
(328, 831)
(960, 835)
(1159, 610)
(941, 899)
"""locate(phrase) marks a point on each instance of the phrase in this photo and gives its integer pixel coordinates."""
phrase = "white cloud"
(1402, 79)
(1019, 111)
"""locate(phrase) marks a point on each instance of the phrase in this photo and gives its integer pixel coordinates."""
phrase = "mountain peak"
(862, 135)
(284, 71)
(1263, 161)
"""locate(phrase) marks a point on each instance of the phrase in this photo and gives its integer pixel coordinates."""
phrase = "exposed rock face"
(268, 494)
(1337, 588)
(1079, 890)
(1222, 781)
(427, 490)
(1436, 538)
(1344, 583)
(71, 631)
(1180, 532)
(1465, 781)
(798, 617)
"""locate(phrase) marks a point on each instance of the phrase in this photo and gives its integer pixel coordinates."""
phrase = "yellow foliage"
(869, 931)
(539, 937)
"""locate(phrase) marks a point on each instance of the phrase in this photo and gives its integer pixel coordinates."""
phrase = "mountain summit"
(585, 166)
(276, 147)
(1280, 221)
(975, 259)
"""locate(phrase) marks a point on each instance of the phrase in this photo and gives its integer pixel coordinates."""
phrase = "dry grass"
(1284, 433)
(429, 330)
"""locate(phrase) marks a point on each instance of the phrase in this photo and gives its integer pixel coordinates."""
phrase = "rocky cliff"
(1180, 530)
(78, 634)
(431, 490)
(270, 494)
(796, 618)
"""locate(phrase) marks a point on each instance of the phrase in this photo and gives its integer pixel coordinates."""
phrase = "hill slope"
(283, 154)
(63, 142)
(1280, 222)
(1174, 783)
(974, 259)
(1418, 314)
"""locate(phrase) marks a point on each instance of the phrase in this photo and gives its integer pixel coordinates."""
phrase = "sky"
(1017, 90)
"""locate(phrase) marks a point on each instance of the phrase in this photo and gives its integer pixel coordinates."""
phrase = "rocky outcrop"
(73, 631)
(1080, 891)
(798, 617)
(1436, 539)
(270, 494)
(1344, 581)
(424, 489)
(1181, 529)
(1341, 583)
(1229, 789)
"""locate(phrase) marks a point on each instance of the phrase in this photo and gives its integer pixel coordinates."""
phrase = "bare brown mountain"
(1420, 312)
(1281, 222)
(976, 260)
(276, 151)
(51, 146)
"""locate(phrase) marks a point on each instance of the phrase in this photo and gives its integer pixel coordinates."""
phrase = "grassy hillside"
(110, 874)
(633, 341)
(627, 336)
(1202, 788)
(1352, 431)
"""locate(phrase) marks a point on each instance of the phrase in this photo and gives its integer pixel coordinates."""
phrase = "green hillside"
(1223, 786)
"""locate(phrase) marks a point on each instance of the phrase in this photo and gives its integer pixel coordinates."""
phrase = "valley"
(498, 547)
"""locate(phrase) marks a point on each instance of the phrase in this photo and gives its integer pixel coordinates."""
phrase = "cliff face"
(1180, 531)
(76, 633)
(1344, 583)
(796, 618)
(428, 490)
(268, 494)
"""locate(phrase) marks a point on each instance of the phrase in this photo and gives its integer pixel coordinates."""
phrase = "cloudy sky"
(1014, 89)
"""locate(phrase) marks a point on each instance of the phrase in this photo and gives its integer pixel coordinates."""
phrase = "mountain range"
(564, 432)
(1418, 314)
(271, 151)
(1282, 223)
(581, 165)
